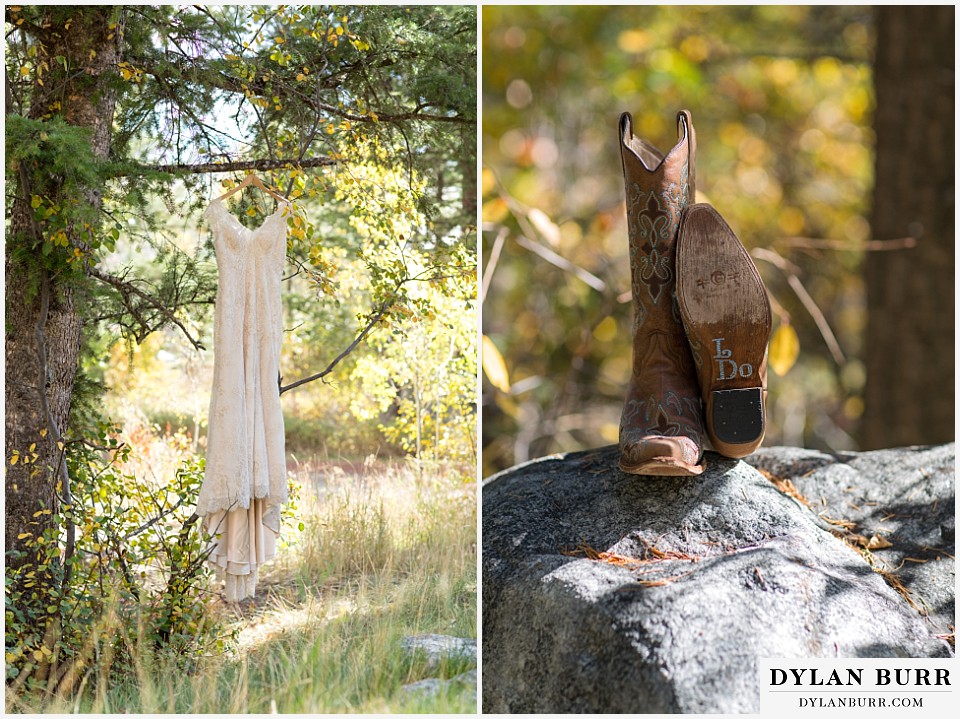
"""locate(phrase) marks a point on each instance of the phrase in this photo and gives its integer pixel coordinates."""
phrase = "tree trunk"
(909, 350)
(468, 167)
(43, 325)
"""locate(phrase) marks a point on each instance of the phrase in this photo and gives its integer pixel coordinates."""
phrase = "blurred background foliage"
(782, 101)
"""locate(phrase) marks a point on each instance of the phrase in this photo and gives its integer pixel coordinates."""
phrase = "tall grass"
(384, 554)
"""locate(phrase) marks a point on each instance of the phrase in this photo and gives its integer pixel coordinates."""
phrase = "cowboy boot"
(726, 315)
(661, 426)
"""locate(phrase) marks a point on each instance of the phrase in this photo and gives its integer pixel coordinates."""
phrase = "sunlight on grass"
(385, 554)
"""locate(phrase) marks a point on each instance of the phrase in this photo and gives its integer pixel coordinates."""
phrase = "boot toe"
(661, 455)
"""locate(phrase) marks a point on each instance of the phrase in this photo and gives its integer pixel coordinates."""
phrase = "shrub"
(127, 556)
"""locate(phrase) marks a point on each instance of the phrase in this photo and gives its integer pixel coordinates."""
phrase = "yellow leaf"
(33, 446)
(24, 535)
(784, 349)
(43, 432)
(125, 73)
(545, 226)
(878, 542)
(494, 366)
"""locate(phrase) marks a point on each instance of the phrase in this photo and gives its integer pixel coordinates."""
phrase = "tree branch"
(377, 316)
(126, 289)
(371, 323)
(791, 271)
(210, 167)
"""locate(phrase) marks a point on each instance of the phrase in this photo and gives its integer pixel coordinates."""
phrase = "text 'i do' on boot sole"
(726, 314)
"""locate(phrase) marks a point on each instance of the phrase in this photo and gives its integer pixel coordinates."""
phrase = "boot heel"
(737, 415)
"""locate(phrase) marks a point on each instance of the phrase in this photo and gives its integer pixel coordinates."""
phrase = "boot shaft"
(658, 187)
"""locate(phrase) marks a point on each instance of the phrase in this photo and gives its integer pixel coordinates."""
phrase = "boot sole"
(726, 315)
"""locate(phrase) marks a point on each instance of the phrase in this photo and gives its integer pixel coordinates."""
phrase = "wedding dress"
(245, 481)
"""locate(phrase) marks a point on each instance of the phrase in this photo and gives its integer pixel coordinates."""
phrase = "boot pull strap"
(685, 122)
(626, 123)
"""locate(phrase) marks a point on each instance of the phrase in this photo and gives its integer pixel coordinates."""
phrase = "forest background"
(825, 139)
(122, 123)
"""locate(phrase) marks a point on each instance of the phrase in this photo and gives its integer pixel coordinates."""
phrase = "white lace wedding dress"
(245, 482)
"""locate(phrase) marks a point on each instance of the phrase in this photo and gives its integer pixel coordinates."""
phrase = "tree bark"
(43, 325)
(909, 349)
(468, 168)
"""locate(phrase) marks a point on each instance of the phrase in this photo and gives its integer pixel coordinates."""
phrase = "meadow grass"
(384, 554)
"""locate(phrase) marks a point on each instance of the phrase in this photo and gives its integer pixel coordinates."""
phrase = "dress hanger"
(253, 179)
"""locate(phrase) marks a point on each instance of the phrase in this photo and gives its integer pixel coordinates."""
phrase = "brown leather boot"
(661, 427)
(726, 314)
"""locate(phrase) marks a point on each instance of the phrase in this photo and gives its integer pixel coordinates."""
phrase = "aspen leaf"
(878, 542)
(545, 226)
(494, 366)
(784, 349)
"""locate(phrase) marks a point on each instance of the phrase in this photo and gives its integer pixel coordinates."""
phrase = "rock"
(426, 687)
(432, 687)
(437, 647)
(902, 496)
(608, 592)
